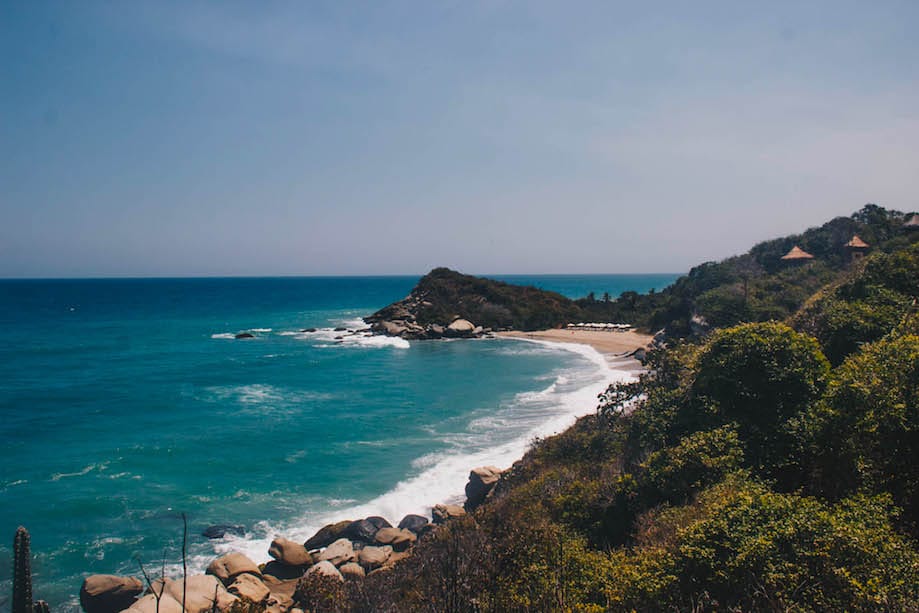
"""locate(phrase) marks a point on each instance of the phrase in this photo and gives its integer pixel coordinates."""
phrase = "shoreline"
(617, 348)
(609, 352)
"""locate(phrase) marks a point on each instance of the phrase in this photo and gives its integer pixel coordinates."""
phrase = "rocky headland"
(449, 304)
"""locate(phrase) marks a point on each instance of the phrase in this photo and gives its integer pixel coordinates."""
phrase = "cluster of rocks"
(345, 551)
(409, 330)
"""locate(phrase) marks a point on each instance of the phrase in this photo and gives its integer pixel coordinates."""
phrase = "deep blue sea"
(124, 403)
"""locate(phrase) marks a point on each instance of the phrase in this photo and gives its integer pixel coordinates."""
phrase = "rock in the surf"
(244, 335)
(379, 522)
(361, 530)
(109, 593)
(327, 535)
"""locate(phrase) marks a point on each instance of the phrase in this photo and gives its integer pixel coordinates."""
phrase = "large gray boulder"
(361, 530)
(289, 552)
(371, 557)
(481, 481)
(248, 587)
(327, 535)
(228, 567)
(200, 592)
(415, 523)
(338, 553)
(109, 593)
(325, 568)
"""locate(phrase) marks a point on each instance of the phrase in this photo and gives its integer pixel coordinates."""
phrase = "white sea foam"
(329, 337)
(85, 471)
(263, 330)
(224, 335)
(442, 476)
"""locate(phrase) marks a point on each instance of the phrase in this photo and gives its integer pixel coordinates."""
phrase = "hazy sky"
(261, 138)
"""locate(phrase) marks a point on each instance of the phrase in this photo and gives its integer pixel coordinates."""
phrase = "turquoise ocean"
(126, 402)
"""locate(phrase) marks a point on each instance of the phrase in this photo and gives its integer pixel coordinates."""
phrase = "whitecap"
(224, 335)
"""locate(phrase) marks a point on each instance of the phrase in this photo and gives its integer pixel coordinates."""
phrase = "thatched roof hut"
(912, 223)
(856, 243)
(796, 254)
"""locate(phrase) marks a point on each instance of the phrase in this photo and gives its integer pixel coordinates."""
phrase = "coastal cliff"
(446, 303)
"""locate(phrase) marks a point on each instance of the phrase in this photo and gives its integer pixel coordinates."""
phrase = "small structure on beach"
(912, 224)
(797, 256)
(856, 248)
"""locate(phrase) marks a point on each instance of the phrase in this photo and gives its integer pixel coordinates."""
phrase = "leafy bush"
(743, 547)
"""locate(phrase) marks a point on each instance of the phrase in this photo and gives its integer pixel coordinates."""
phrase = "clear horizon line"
(328, 276)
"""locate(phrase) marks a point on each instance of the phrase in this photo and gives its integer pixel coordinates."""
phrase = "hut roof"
(912, 223)
(857, 243)
(797, 253)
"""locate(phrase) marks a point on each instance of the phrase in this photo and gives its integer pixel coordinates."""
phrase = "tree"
(760, 376)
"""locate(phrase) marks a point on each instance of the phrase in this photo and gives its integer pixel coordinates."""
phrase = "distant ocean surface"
(126, 402)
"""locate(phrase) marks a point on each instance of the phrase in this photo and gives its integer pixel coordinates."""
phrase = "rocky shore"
(348, 550)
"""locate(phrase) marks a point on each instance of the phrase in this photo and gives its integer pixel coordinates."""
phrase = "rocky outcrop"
(448, 304)
(352, 570)
(481, 482)
(221, 530)
(371, 557)
(399, 539)
(109, 593)
(325, 568)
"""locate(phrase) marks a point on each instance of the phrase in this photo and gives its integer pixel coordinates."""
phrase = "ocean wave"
(224, 335)
(84, 471)
(331, 337)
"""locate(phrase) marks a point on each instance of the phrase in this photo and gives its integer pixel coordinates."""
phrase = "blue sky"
(270, 138)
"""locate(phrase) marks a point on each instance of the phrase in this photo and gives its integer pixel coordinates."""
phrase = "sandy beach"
(615, 346)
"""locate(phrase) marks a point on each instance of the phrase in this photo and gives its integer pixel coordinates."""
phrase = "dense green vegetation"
(765, 466)
(443, 295)
(758, 286)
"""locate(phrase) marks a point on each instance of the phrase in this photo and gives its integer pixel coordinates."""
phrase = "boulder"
(148, 604)
(460, 328)
(325, 568)
(289, 552)
(228, 567)
(308, 330)
(443, 512)
(481, 481)
(109, 593)
(352, 570)
(283, 572)
(200, 592)
(327, 535)
(244, 335)
(399, 538)
(360, 530)
(282, 591)
(379, 522)
(338, 553)
(372, 557)
(340, 329)
(248, 587)
(413, 522)
(218, 531)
